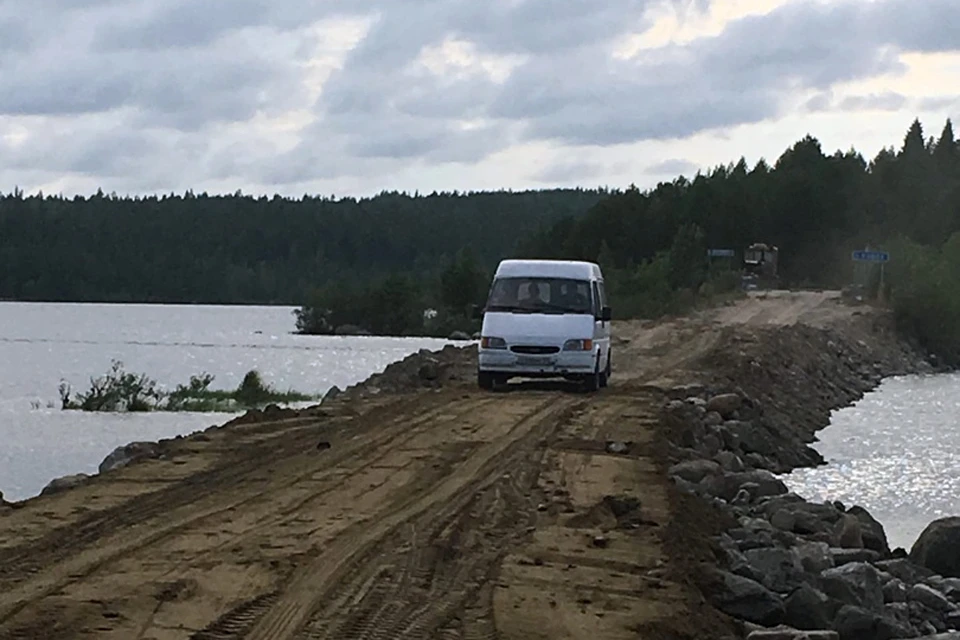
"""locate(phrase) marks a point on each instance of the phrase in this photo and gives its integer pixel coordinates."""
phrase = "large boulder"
(743, 598)
(857, 623)
(930, 598)
(780, 569)
(938, 547)
(62, 484)
(809, 609)
(726, 485)
(725, 404)
(857, 584)
(874, 537)
(122, 456)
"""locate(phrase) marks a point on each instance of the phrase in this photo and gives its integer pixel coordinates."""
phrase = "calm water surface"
(896, 453)
(41, 344)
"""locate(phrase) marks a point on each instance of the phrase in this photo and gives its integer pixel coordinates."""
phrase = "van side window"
(596, 297)
(603, 294)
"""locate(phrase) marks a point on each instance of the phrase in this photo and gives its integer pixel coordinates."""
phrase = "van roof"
(576, 269)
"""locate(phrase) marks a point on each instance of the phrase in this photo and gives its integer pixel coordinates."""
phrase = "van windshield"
(540, 295)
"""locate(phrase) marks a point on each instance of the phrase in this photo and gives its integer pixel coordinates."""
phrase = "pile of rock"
(790, 562)
(424, 369)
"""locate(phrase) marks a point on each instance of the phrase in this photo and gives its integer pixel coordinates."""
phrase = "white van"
(545, 319)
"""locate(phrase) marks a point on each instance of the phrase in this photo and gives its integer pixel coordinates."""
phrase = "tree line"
(254, 250)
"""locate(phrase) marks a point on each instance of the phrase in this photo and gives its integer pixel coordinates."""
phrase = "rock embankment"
(792, 568)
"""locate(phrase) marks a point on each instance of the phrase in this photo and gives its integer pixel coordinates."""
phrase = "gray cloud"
(938, 102)
(887, 101)
(170, 85)
(826, 101)
(673, 166)
(572, 170)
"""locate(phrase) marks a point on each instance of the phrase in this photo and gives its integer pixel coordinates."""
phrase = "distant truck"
(760, 266)
(546, 319)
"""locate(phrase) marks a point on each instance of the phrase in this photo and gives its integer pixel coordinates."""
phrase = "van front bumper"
(556, 364)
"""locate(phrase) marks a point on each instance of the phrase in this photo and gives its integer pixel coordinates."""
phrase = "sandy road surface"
(436, 514)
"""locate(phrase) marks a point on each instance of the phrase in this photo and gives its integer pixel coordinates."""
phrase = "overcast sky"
(349, 97)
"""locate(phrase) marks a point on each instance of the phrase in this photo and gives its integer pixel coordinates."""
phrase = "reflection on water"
(40, 344)
(896, 453)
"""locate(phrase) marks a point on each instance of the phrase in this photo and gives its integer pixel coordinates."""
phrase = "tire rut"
(404, 574)
(24, 562)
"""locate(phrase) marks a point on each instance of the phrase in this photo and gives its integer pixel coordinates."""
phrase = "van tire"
(608, 371)
(485, 380)
(591, 383)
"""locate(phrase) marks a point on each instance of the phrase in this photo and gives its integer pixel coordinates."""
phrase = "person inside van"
(533, 297)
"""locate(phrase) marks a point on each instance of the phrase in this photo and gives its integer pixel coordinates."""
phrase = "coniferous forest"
(377, 263)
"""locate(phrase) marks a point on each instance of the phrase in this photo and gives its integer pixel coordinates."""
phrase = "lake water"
(42, 344)
(896, 453)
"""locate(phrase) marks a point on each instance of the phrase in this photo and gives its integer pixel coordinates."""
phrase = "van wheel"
(485, 380)
(592, 382)
(609, 370)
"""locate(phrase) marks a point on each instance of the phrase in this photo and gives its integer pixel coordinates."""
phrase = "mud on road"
(432, 513)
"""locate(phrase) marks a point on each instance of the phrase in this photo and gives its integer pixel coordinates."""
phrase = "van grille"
(534, 349)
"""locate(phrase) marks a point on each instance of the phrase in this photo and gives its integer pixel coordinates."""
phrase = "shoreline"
(785, 560)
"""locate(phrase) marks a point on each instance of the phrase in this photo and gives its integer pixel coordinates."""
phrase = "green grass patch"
(122, 391)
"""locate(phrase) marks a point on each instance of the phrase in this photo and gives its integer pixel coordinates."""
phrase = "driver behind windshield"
(533, 297)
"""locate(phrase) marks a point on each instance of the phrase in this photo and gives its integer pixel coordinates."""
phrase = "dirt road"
(451, 513)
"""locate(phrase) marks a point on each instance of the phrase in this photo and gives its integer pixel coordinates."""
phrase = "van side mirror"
(606, 314)
(477, 312)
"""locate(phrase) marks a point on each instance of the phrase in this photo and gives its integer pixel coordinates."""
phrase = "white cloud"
(283, 96)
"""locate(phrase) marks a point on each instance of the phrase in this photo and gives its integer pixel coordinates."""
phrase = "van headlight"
(578, 344)
(487, 342)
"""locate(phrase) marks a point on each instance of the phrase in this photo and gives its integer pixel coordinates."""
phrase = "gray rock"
(809, 609)
(712, 419)
(938, 547)
(780, 569)
(710, 445)
(857, 623)
(754, 437)
(697, 402)
(894, 591)
(729, 461)
(127, 454)
(783, 519)
(848, 532)
(815, 556)
(843, 556)
(62, 484)
(744, 598)
(695, 470)
(429, 370)
(725, 403)
(874, 537)
(905, 570)
(459, 336)
(951, 588)
(742, 498)
(857, 584)
(930, 598)
(332, 393)
(747, 539)
(726, 485)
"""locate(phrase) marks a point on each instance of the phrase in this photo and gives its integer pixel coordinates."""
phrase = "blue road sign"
(720, 253)
(871, 256)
